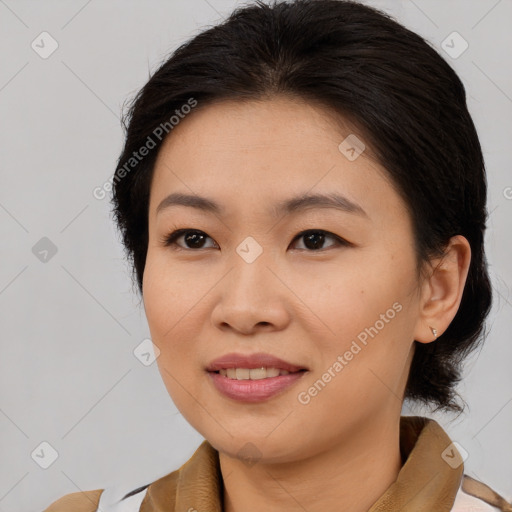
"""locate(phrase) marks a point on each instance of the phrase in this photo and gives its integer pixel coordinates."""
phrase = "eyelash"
(170, 239)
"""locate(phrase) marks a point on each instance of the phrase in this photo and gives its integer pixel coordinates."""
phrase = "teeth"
(252, 374)
(242, 373)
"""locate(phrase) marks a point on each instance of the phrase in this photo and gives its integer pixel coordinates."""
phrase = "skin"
(340, 451)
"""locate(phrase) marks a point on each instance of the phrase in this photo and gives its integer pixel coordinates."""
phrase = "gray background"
(69, 326)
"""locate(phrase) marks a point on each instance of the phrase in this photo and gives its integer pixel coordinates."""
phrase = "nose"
(252, 298)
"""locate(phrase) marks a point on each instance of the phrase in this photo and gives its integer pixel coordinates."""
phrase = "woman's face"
(340, 302)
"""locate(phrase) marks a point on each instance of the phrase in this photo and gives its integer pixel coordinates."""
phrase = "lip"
(253, 390)
(258, 360)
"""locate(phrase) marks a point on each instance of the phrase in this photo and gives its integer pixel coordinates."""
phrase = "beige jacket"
(431, 480)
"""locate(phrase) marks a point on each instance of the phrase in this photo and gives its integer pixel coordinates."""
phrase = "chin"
(251, 448)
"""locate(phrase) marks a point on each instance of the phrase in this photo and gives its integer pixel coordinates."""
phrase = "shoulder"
(120, 498)
(475, 496)
(85, 501)
(100, 500)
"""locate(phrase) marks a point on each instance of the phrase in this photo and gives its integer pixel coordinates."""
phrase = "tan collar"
(429, 479)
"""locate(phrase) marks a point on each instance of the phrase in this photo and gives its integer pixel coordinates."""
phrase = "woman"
(302, 195)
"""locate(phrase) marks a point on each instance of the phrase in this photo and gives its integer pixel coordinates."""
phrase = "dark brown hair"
(409, 106)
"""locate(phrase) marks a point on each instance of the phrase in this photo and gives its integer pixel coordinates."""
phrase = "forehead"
(256, 151)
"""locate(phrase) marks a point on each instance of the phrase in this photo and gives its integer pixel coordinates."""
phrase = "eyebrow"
(288, 206)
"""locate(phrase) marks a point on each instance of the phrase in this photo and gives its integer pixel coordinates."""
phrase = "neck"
(349, 476)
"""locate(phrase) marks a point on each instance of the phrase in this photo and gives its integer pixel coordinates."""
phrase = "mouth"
(253, 373)
(253, 378)
(252, 366)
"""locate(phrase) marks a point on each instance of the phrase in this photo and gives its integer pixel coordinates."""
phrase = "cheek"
(338, 303)
(166, 296)
(173, 307)
(168, 304)
(368, 308)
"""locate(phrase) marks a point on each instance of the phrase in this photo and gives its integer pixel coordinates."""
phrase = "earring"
(434, 332)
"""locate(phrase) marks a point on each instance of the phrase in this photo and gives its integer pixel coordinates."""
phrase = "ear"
(441, 292)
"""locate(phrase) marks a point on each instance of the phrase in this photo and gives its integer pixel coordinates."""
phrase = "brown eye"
(192, 238)
(315, 238)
